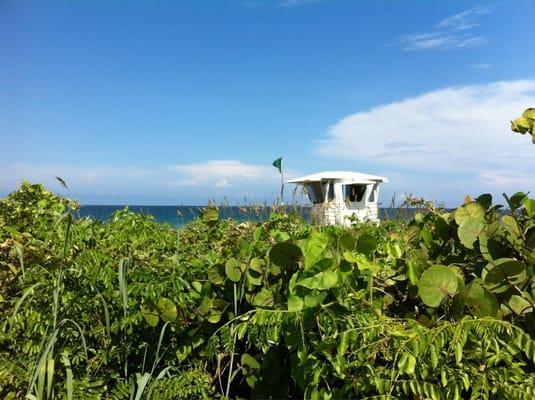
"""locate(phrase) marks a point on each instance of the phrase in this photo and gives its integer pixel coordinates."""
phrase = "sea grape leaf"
(516, 200)
(490, 248)
(150, 315)
(315, 248)
(521, 125)
(285, 255)
(254, 277)
(312, 300)
(485, 200)
(348, 241)
(529, 205)
(219, 304)
(436, 283)
(366, 244)
(511, 226)
(167, 309)
(205, 306)
(500, 274)
(214, 317)
(264, 298)
(480, 300)
(361, 260)
(257, 264)
(321, 276)
(295, 303)
(216, 274)
(232, 270)
(394, 250)
(520, 305)
(529, 113)
(469, 230)
(471, 210)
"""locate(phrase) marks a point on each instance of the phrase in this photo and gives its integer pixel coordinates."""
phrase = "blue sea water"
(181, 215)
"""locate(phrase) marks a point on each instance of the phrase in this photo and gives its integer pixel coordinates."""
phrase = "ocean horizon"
(179, 216)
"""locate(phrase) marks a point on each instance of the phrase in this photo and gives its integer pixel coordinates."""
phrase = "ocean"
(180, 215)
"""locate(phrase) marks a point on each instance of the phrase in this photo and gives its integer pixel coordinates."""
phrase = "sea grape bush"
(438, 307)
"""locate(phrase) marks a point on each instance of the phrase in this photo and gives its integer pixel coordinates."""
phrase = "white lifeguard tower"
(339, 196)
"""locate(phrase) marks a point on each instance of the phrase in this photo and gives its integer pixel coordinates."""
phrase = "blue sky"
(179, 102)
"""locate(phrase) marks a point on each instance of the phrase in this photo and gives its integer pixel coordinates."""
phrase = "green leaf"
(499, 275)
(295, 303)
(520, 305)
(150, 315)
(314, 248)
(485, 200)
(366, 244)
(249, 361)
(529, 205)
(490, 248)
(521, 125)
(210, 214)
(214, 317)
(529, 113)
(257, 264)
(322, 276)
(312, 301)
(470, 210)
(436, 283)
(469, 230)
(511, 226)
(348, 241)
(232, 270)
(264, 298)
(167, 309)
(480, 301)
(285, 255)
(516, 200)
(216, 274)
(361, 260)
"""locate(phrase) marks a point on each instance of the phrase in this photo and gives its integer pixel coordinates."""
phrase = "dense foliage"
(439, 307)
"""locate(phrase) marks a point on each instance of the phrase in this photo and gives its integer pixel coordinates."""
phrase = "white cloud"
(507, 179)
(220, 173)
(74, 175)
(460, 130)
(439, 41)
(279, 3)
(453, 32)
(464, 20)
(482, 66)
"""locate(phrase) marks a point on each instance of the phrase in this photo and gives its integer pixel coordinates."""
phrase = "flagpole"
(282, 182)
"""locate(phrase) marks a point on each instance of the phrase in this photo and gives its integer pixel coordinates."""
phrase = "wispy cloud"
(453, 32)
(464, 20)
(482, 66)
(279, 3)
(219, 173)
(456, 131)
(438, 41)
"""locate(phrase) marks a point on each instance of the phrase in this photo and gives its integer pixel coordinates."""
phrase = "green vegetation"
(438, 307)
(525, 123)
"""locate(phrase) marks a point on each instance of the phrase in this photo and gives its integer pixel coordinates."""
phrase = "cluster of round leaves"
(525, 123)
(496, 249)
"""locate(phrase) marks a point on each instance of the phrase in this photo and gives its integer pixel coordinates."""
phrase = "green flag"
(278, 164)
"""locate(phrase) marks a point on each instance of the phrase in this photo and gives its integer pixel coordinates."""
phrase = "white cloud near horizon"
(453, 32)
(460, 130)
(221, 173)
